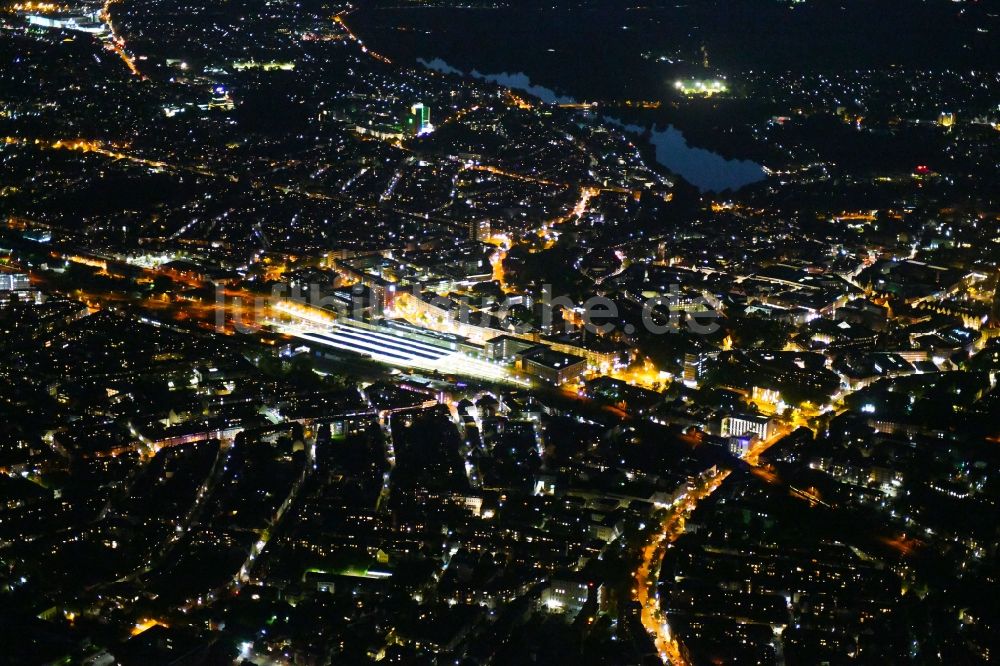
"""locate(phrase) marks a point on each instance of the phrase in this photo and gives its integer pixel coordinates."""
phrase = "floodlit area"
(395, 350)
(701, 87)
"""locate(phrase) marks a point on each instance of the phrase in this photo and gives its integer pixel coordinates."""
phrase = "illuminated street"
(647, 575)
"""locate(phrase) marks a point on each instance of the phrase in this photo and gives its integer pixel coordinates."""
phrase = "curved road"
(648, 573)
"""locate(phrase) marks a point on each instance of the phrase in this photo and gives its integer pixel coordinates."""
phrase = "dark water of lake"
(704, 169)
(613, 50)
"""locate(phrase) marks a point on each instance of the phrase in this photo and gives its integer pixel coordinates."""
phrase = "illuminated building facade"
(735, 425)
(419, 120)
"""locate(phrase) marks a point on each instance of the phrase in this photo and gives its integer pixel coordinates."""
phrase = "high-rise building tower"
(694, 365)
(419, 120)
(479, 230)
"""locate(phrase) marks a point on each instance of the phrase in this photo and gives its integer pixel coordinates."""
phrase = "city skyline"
(486, 332)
